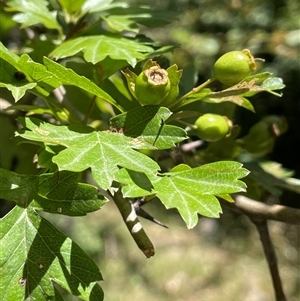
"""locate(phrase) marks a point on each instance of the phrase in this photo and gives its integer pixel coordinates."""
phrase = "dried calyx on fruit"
(152, 86)
(234, 66)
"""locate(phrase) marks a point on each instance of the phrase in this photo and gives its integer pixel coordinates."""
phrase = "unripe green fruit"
(261, 137)
(211, 127)
(152, 86)
(277, 124)
(259, 140)
(234, 66)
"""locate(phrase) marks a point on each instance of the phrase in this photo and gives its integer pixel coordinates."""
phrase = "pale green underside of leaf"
(34, 255)
(19, 91)
(96, 5)
(96, 48)
(33, 12)
(189, 190)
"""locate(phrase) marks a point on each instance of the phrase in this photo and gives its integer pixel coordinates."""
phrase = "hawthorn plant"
(92, 97)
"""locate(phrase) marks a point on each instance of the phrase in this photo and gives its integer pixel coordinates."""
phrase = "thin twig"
(259, 213)
(262, 228)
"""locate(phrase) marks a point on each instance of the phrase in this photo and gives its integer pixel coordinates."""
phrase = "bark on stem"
(259, 213)
(262, 228)
(133, 224)
(263, 211)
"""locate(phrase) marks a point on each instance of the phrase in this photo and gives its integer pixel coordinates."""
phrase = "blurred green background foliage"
(219, 259)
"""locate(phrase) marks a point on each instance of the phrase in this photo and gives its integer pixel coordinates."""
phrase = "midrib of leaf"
(179, 193)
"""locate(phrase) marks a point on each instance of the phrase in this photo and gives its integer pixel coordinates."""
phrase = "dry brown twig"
(259, 213)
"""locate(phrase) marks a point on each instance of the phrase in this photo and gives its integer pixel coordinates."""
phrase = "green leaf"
(71, 6)
(103, 152)
(35, 255)
(18, 188)
(258, 77)
(273, 83)
(33, 12)
(30, 109)
(96, 48)
(56, 193)
(93, 6)
(45, 78)
(236, 99)
(235, 94)
(148, 124)
(125, 18)
(189, 190)
(136, 184)
(69, 77)
(61, 193)
(9, 67)
(194, 191)
(276, 169)
(8, 56)
(19, 91)
(35, 75)
(238, 93)
(38, 73)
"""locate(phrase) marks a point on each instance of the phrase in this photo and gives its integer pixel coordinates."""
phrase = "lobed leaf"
(103, 152)
(193, 191)
(96, 48)
(43, 78)
(35, 255)
(33, 12)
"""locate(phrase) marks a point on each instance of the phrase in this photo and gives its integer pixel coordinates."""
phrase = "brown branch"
(259, 213)
(263, 211)
(262, 228)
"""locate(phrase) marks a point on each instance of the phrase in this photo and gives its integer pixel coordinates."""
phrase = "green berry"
(212, 127)
(260, 140)
(261, 137)
(234, 66)
(152, 86)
